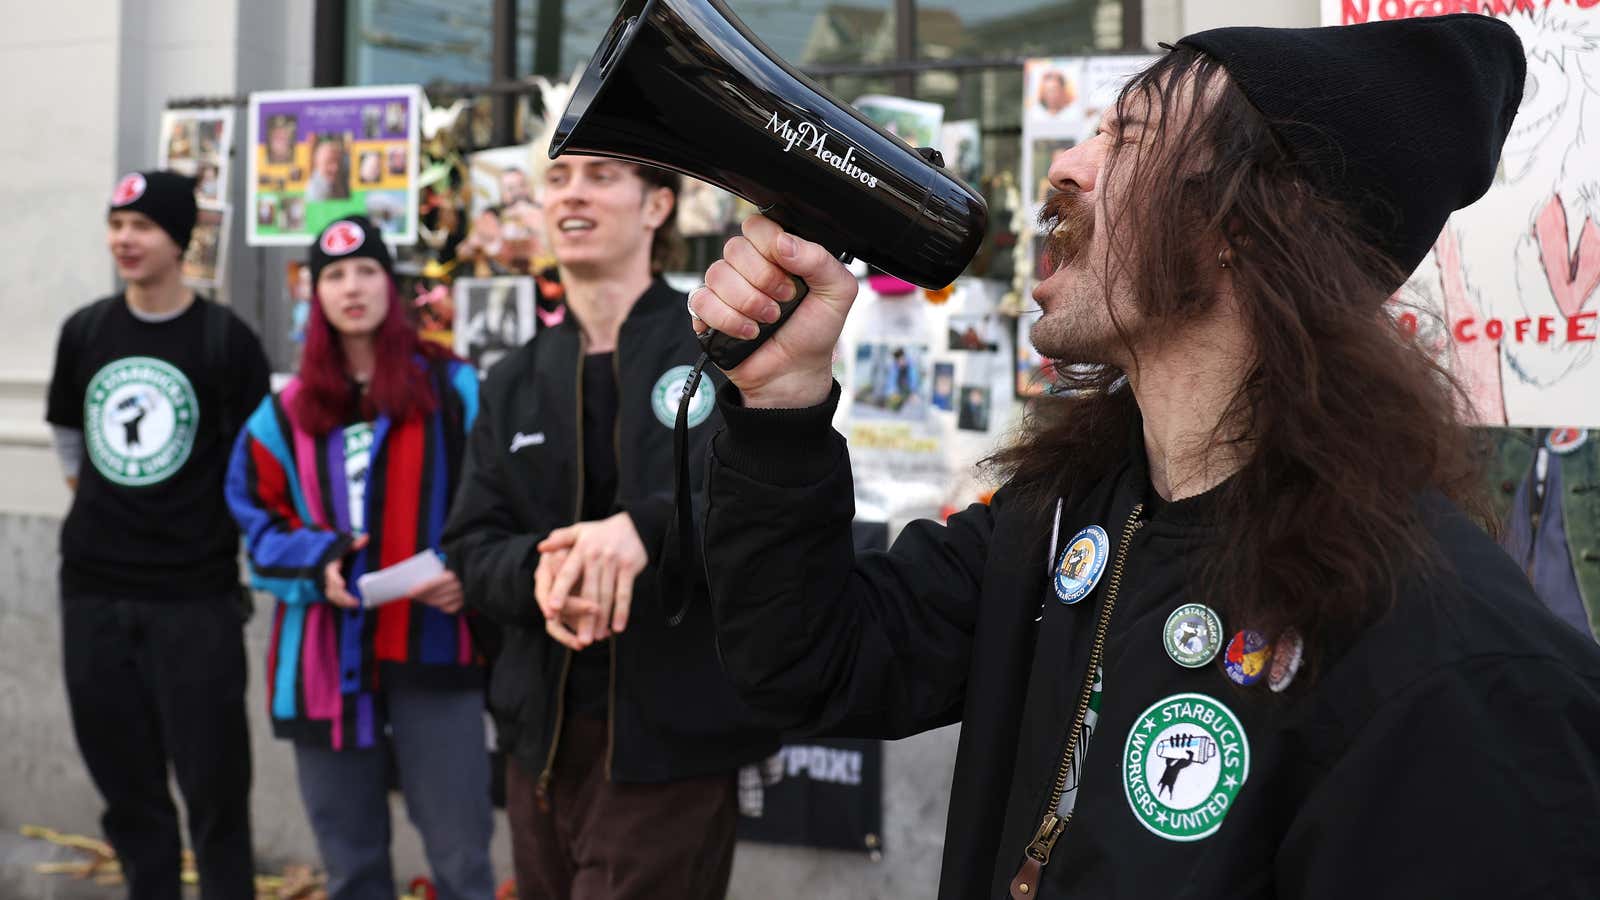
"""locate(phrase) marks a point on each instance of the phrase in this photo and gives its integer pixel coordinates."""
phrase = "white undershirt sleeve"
(69, 449)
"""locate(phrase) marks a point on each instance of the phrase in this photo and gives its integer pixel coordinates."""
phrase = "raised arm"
(877, 645)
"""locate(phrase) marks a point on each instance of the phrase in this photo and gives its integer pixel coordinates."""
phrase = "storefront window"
(555, 37)
(418, 41)
(817, 32)
(803, 32)
(990, 29)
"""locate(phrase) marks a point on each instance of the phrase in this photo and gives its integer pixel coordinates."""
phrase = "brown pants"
(600, 840)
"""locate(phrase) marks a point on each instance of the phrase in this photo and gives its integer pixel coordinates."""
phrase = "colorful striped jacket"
(327, 667)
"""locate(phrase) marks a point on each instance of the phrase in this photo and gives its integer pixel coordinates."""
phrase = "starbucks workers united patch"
(1185, 760)
(139, 420)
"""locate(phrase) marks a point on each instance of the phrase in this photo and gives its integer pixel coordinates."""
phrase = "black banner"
(823, 793)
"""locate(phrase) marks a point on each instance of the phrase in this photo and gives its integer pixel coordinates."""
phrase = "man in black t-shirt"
(150, 388)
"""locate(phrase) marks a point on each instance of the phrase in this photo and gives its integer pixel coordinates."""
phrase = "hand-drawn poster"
(315, 156)
(1513, 283)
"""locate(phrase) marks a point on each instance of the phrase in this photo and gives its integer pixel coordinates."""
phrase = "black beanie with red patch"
(167, 198)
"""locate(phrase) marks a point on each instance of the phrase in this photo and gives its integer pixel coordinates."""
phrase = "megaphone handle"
(728, 352)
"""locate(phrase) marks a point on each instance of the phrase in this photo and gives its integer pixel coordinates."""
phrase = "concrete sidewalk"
(19, 881)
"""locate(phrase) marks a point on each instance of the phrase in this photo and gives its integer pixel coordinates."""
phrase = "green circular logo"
(139, 417)
(1183, 764)
(1193, 635)
(668, 393)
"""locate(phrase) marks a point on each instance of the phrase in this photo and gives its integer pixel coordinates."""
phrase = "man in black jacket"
(1226, 630)
(623, 734)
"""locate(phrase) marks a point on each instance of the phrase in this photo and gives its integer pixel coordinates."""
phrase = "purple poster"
(319, 155)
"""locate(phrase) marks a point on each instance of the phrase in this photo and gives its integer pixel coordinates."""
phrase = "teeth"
(576, 225)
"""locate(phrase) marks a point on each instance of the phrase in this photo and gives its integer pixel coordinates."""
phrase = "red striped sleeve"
(271, 485)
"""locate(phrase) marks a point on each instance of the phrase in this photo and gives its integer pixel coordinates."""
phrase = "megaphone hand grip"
(728, 351)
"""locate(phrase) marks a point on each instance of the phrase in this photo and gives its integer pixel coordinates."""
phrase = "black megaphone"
(684, 85)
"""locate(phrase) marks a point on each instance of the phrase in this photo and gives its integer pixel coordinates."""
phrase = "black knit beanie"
(1401, 121)
(166, 197)
(347, 238)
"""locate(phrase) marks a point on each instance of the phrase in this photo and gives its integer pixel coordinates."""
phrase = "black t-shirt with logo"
(149, 518)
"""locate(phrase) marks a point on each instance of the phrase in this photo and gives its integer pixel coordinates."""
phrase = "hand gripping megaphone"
(684, 85)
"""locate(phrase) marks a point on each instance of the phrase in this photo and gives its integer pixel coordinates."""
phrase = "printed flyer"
(315, 156)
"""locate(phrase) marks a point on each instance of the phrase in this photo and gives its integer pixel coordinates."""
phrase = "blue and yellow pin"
(1082, 562)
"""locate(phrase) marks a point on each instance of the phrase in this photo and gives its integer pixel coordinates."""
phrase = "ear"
(658, 204)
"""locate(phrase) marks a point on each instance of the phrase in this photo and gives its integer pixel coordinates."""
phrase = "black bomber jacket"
(673, 713)
(1449, 749)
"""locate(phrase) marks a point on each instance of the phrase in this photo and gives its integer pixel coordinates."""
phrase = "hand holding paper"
(409, 578)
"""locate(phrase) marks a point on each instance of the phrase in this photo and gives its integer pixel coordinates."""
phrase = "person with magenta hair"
(350, 469)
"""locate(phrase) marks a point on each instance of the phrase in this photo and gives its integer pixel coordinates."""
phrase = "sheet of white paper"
(398, 580)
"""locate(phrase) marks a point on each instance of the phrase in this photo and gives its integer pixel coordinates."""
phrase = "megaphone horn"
(684, 85)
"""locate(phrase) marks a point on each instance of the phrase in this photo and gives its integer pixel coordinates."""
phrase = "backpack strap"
(215, 324)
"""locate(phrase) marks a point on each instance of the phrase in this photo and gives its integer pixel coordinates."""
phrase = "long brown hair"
(1342, 420)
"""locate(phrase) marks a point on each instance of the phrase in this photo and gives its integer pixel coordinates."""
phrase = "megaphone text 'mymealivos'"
(684, 85)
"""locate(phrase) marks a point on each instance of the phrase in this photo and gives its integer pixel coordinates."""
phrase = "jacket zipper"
(1037, 856)
(542, 790)
(616, 447)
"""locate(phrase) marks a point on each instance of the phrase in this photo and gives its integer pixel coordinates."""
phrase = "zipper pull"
(1025, 884)
(541, 791)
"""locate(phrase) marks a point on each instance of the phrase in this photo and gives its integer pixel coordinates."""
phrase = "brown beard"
(1068, 224)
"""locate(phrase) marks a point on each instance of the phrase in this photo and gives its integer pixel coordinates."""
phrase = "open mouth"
(573, 225)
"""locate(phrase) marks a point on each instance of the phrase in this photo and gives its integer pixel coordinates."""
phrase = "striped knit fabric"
(326, 666)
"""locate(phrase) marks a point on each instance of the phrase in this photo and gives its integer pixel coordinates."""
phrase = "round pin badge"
(1247, 657)
(342, 237)
(668, 393)
(1185, 761)
(1286, 655)
(1081, 563)
(1193, 635)
(129, 189)
(1565, 440)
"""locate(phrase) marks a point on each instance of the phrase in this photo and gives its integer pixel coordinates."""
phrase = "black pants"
(152, 682)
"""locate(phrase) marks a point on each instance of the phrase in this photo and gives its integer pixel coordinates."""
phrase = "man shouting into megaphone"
(1284, 661)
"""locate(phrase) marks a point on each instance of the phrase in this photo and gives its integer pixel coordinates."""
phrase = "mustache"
(1067, 222)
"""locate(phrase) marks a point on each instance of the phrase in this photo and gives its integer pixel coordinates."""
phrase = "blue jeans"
(441, 752)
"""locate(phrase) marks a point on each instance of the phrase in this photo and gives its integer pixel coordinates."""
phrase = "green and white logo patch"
(1184, 762)
(668, 392)
(140, 415)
